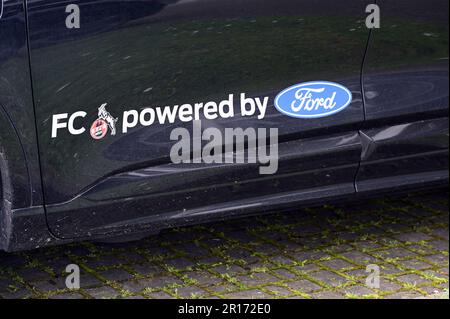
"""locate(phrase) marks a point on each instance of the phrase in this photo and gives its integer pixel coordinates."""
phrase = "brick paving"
(321, 252)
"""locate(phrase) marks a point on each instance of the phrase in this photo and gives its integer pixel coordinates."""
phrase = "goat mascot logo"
(104, 121)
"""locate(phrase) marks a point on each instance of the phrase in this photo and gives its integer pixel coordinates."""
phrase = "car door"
(406, 97)
(100, 59)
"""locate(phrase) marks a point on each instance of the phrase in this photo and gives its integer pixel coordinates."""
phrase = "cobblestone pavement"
(312, 253)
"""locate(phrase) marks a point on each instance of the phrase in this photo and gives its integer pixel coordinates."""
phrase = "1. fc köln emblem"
(104, 122)
(99, 129)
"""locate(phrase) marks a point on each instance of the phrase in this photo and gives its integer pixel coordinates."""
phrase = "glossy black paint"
(20, 183)
(173, 53)
(134, 54)
(406, 96)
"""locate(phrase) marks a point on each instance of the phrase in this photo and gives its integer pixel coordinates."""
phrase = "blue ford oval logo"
(313, 99)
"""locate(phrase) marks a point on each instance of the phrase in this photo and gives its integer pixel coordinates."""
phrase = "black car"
(97, 95)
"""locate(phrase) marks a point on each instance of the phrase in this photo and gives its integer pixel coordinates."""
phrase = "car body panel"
(406, 96)
(151, 53)
(20, 178)
(16, 104)
(133, 54)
